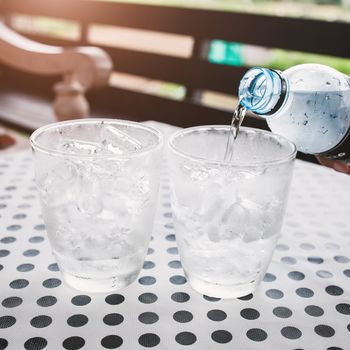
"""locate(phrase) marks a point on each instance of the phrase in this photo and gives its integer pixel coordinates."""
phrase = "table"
(303, 302)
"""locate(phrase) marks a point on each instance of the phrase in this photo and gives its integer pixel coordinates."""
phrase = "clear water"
(237, 119)
(98, 211)
(227, 218)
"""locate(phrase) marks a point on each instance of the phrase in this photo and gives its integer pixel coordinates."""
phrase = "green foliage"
(282, 59)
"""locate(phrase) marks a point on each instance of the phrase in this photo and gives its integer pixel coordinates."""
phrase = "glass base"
(220, 290)
(91, 285)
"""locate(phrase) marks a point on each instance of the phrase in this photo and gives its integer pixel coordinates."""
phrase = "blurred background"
(177, 61)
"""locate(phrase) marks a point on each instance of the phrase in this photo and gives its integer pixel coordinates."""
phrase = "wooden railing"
(195, 72)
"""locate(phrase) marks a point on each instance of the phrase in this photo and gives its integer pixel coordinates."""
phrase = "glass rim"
(36, 145)
(280, 160)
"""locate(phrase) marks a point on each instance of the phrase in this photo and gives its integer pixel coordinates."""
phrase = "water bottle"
(308, 103)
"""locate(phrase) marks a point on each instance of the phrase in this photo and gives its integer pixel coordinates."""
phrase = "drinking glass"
(228, 215)
(98, 181)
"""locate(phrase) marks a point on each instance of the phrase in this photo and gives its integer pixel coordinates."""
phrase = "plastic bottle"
(309, 104)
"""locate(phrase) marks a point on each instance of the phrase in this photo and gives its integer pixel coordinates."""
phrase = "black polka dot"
(216, 315)
(36, 239)
(211, 299)
(8, 240)
(19, 216)
(315, 260)
(250, 314)
(180, 297)
(41, 321)
(343, 308)
(113, 319)
(46, 301)
(348, 327)
(6, 196)
(73, 343)
(148, 265)
(307, 246)
(12, 302)
(148, 298)
(282, 312)
(19, 284)
(81, 300)
(346, 273)
(7, 321)
(78, 320)
(289, 260)
(147, 280)
(3, 344)
(246, 297)
(2, 206)
(31, 252)
(269, 277)
(334, 348)
(175, 264)
(4, 252)
(185, 338)
(334, 290)
(36, 343)
(149, 340)
(172, 250)
(40, 227)
(24, 206)
(291, 332)
(314, 310)
(221, 336)
(324, 331)
(53, 267)
(274, 293)
(341, 259)
(256, 334)
(171, 238)
(296, 275)
(52, 283)
(183, 316)
(150, 251)
(10, 188)
(148, 317)
(1, 267)
(25, 267)
(114, 299)
(304, 292)
(169, 226)
(112, 342)
(13, 227)
(177, 279)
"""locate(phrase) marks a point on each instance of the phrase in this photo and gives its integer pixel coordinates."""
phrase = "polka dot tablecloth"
(302, 303)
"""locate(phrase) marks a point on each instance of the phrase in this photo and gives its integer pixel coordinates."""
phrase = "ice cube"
(244, 219)
(90, 197)
(57, 185)
(254, 227)
(79, 147)
(117, 141)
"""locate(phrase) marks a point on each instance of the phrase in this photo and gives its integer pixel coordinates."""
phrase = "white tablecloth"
(303, 302)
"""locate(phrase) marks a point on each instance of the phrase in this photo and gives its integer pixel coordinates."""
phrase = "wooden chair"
(81, 68)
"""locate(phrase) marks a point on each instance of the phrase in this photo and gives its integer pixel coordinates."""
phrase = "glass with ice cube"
(228, 215)
(98, 183)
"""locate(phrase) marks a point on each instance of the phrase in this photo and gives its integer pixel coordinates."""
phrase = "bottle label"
(341, 151)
